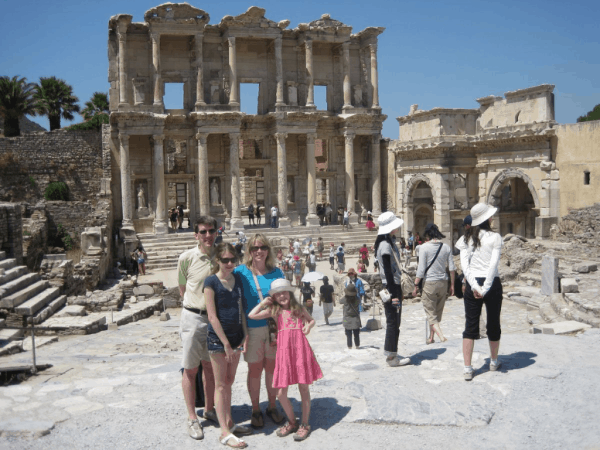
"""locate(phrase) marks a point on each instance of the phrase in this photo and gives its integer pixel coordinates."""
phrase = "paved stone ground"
(121, 389)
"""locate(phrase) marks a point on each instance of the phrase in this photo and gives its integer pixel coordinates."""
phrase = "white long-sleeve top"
(481, 262)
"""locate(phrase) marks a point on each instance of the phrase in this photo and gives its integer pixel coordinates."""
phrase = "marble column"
(283, 218)
(236, 223)
(346, 68)
(349, 174)
(376, 175)
(311, 219)
(374, 77)
(158, 98)
(122, 37)
(126, 199)
(310, 97)
(233, 81)
(279, 72)
(203, 184)
(160, 218)
(199, 72)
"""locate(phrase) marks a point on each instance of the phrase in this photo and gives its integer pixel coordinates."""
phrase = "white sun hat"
(482, 212)
(388, 222)
(280, 285)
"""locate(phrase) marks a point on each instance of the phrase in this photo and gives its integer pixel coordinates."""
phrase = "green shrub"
(32, 181)
(64, 237)
(95, 123)
(57, 190)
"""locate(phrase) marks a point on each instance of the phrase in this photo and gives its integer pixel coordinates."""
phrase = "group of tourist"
(176, 216)
(251, 309)
(254, 212)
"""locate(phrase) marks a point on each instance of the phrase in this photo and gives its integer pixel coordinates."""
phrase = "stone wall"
(11, 237)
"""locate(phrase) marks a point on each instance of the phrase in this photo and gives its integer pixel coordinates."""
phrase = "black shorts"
(216, 346)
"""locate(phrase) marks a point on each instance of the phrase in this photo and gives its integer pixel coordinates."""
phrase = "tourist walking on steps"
(193, 267)
(173, 218)
(434, 258)
(274, 212)
(346, 219)
(140, 257)
(308, 293)
(258, 214)
(258, 272)
(332, 256)
(341, 259)
(297, 265)
(390, 270)
(364, 254)
(180, 214)
(296, 362)
(320, 248)
(370, 224)
(351, 320)
(227, 337)
(479, 259)
(328, 213)
(326, 299)
(251, 215)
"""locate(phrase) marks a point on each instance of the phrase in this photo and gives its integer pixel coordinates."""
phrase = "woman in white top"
(479, 258)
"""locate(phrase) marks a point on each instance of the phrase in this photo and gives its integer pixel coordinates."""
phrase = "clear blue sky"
(433, 53)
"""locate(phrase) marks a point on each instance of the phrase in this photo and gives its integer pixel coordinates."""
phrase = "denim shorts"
(215, 345)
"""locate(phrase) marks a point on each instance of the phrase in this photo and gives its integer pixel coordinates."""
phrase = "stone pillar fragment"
(311, 219)
(283, 218)
(279, 72)
(236, 223)
(199, 71)
(349, 158)
(158, 99)
(233, 96)
(347, 85)
(126, 202)
(374, 76)
(203, 184)
(122, 37)
(160, 219)
(376, 175)
(310, 97)
(549, 275)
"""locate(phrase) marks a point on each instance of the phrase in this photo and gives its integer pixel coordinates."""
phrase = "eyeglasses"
(228, 260)
(211, 231)
(264, 248)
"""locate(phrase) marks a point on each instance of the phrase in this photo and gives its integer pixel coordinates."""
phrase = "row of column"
(234, 93)
(312, 219)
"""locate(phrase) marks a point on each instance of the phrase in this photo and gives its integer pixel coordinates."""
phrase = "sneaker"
(403, 361)
(494, 367)
(211, 415)
(195, 429)
(468, 374)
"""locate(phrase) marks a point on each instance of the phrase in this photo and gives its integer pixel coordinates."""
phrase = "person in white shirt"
(479, 258)
(274, 211)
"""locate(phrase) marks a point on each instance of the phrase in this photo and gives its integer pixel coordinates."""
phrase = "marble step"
(8, 263)
(23, 295)
(48, 311)
(585, 305)
(7, 335)
(562, 308)
(16, 285)
(2, 255)
(548, 313)
(11, 274)
(34, 304)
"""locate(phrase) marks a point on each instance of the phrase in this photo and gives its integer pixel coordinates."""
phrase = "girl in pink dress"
(295, 362)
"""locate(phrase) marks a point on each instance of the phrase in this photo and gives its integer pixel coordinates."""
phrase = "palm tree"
(55, 99)
(16, 100)
(98, 104)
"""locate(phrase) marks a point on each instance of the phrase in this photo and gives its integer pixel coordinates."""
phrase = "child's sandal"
(287, 429)
(303, 432)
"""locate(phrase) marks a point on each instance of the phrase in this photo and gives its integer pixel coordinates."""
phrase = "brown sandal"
(303, 432)
(275, 415)
(287, 429)
(257, 420)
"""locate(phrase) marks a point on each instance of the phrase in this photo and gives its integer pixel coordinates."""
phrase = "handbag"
(421, 282)
(270, 321)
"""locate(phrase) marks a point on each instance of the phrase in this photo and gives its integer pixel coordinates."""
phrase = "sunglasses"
(228, 260)
(264, 248)
(211, 231)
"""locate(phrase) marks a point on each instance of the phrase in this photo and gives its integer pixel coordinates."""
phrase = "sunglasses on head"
(228, 260)
(211, 231)
(264, 248)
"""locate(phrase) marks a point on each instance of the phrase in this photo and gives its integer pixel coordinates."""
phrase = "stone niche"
(175, 156)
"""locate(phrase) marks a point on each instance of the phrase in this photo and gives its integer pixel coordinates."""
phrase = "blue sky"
(433, 53)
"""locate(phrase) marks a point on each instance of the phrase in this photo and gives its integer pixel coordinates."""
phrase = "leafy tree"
(594, 114)
(55, 99)
(98, 104)
(95, 123)
(16, 100)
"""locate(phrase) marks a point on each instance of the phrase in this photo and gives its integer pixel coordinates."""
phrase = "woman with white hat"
(480, 261)
(390, 270)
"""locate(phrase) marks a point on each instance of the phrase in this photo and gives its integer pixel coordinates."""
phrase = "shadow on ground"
(427, 355)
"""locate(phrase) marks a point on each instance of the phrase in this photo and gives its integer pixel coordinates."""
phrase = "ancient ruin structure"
(502, 153)
(215, 159)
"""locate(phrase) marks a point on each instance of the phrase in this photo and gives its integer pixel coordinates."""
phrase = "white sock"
(468, 368)
(494, 361)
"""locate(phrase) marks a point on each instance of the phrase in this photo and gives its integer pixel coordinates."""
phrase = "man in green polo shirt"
(193, 268)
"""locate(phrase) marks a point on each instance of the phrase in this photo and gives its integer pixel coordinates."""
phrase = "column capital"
(124, 138)
(280, 137)
(346, 45)
(375, 138)
(308, 43)
(199, 36)
(373, 48)
(201, 137)
(310, 137)
(158, 137)
(231, 41)
(155, 36)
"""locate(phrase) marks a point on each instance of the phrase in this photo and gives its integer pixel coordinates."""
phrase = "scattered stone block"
(569, 285)
(72, 310)
(549, 275)
(133, 299)
(144, 289)
(568, 327)
(585, 267)
(157, 313)
(373, 324)
(164, 316)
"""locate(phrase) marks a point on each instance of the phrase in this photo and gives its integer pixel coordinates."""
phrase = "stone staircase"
(163, 251)
(24, 298)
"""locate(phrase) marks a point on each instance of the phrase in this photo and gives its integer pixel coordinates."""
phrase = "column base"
(347, 107)
(198, 105)
(161, 227)
(127, 232)
(312, 220)
(353, 219)
(284, 222)
(236, 223)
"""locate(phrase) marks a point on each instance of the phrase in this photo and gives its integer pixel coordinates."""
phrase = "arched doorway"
(517, 204)
(423, 207)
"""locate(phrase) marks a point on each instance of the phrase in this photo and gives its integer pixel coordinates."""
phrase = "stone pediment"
(254, 17)
(176, 13)
(326, 24)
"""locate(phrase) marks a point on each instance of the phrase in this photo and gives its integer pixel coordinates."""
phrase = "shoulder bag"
(422, 281)
(270, 321)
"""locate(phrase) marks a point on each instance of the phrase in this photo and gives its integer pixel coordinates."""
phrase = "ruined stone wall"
(29, 163)
(11, 237)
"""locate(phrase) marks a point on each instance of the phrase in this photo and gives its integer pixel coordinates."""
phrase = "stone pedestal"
(549, 275)
(236, 224)
(161, 228)
(284, 222)
(312, 220)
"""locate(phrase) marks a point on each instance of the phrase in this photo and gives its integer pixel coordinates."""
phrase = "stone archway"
(419, 203)
(501, 180)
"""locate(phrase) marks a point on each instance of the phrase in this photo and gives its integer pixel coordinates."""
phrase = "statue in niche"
(141, 197)
(292, 93)
(214, 192)
(358, 95)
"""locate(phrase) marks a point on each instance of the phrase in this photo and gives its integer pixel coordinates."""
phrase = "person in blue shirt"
(360, 287)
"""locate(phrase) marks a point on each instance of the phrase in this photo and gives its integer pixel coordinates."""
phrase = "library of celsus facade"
(502, 153)
(214, 159)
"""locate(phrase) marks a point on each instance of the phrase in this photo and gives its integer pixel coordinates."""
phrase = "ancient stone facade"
(215, 159)
(502, 153)
(11, 235)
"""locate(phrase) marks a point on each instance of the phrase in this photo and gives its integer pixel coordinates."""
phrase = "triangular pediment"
(183, 13)
(254, 17)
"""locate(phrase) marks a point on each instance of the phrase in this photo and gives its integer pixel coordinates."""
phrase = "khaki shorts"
(193, 329)
(433, 298)
(327, 308)
(259, 346)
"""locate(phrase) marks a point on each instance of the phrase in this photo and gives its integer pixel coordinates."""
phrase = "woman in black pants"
(479, 258)
(388, 257)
